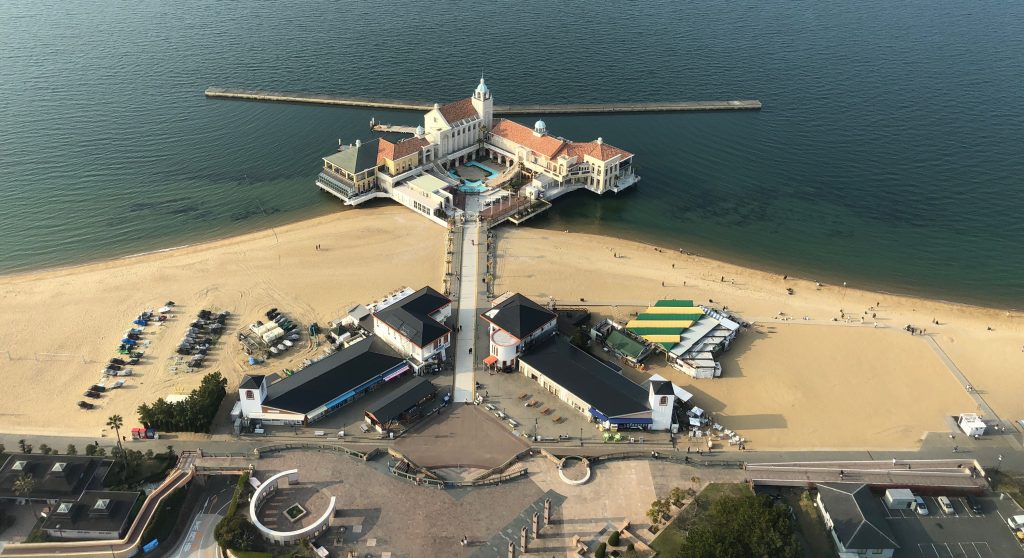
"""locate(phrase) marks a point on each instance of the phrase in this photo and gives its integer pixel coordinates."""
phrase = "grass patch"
(670, 538)
(294, 512)
(1003, 482)
(810, 530)
(149, 470)
(251, 554)
(166, 517)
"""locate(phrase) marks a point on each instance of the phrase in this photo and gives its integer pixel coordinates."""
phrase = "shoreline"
(776, 376)
(304, 220)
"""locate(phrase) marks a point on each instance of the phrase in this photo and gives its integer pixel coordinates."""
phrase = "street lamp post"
(999, 461)
(581, 436)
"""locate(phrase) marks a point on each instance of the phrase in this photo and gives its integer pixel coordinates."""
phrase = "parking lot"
(961, 534)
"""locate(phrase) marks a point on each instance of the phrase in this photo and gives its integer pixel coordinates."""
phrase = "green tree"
(677, 496)
(194, 414)
(45, 449)
(613, 538)
(24, 485)
(116, 422)
(90, 449)
(236, 533)
(600, 551)
(741, 526)
(71, 450)
(580, 338)
(25, 448)
(659, 508)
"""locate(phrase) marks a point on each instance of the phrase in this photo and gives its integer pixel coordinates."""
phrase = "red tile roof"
(515, 132)
(386, 150)
(459, 110)
(408, 146)
(598, 150)
(395, 151)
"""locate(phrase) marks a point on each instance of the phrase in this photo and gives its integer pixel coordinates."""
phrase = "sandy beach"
(828, 381)
(62, 325)
(791, 382)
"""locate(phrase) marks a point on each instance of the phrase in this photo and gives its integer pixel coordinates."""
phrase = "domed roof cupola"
(540, 128)
(420, 131)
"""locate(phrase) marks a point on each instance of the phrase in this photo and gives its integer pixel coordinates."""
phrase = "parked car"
(86, 405)
(920, 506)
(945, 505)
(92, 394)
(973, 503)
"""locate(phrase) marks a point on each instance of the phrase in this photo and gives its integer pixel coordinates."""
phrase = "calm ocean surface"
(890, 152)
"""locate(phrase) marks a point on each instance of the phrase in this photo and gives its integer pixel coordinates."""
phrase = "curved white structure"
(567, 480)
(504, 346)
(268, 488)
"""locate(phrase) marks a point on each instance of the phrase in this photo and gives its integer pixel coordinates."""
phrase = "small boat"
(282, 347)
(273, 350)
(287, 343)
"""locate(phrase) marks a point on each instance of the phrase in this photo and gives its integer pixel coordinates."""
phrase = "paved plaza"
(461, 436)
(377, 512)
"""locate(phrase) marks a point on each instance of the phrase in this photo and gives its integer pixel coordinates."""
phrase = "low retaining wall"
(266, 490)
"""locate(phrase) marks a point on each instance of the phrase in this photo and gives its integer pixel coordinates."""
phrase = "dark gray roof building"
(856, 517)
(54, 476)
(600, 384)
(251, 381)
(409, 395)
(356, 158)
(95, 515)
(332, 380)
(519, 316)
(411, 316)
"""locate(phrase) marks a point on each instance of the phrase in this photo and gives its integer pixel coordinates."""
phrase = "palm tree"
(23, 486)
(116, 422)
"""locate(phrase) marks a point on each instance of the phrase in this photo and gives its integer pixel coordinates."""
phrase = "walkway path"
(470, 302)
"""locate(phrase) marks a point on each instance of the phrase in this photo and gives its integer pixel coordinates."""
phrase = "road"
(199, 541)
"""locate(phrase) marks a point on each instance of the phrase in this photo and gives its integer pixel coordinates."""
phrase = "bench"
(557, 419)
(523, 396)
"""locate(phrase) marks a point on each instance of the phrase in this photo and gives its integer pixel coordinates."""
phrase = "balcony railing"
(335, 182)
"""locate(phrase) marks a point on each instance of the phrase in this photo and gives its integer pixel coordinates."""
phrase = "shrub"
(630, 547)
(599, 552)
(236, 533)
(194, 414)
(243, 481)
(613, 539)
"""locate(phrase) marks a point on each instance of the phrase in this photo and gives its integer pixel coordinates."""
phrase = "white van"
(945, 505)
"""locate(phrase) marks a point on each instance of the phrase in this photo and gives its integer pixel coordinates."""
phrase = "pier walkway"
(575, 108)
(393, 128)
(471, 301)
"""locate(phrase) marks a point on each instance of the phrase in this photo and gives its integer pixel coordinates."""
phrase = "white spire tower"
(483, 103)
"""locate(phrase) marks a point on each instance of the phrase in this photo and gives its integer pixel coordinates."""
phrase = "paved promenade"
(470, 303)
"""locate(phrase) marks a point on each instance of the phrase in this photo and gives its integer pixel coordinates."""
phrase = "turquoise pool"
(474, 186)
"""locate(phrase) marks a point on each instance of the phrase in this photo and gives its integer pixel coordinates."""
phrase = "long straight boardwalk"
(470, 303)
(920, 473)
(319, 99)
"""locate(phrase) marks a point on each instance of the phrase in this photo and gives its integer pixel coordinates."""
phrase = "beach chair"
(523, 396)
(557, 419)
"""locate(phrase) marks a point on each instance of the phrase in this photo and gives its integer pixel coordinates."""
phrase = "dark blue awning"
(631, 421)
